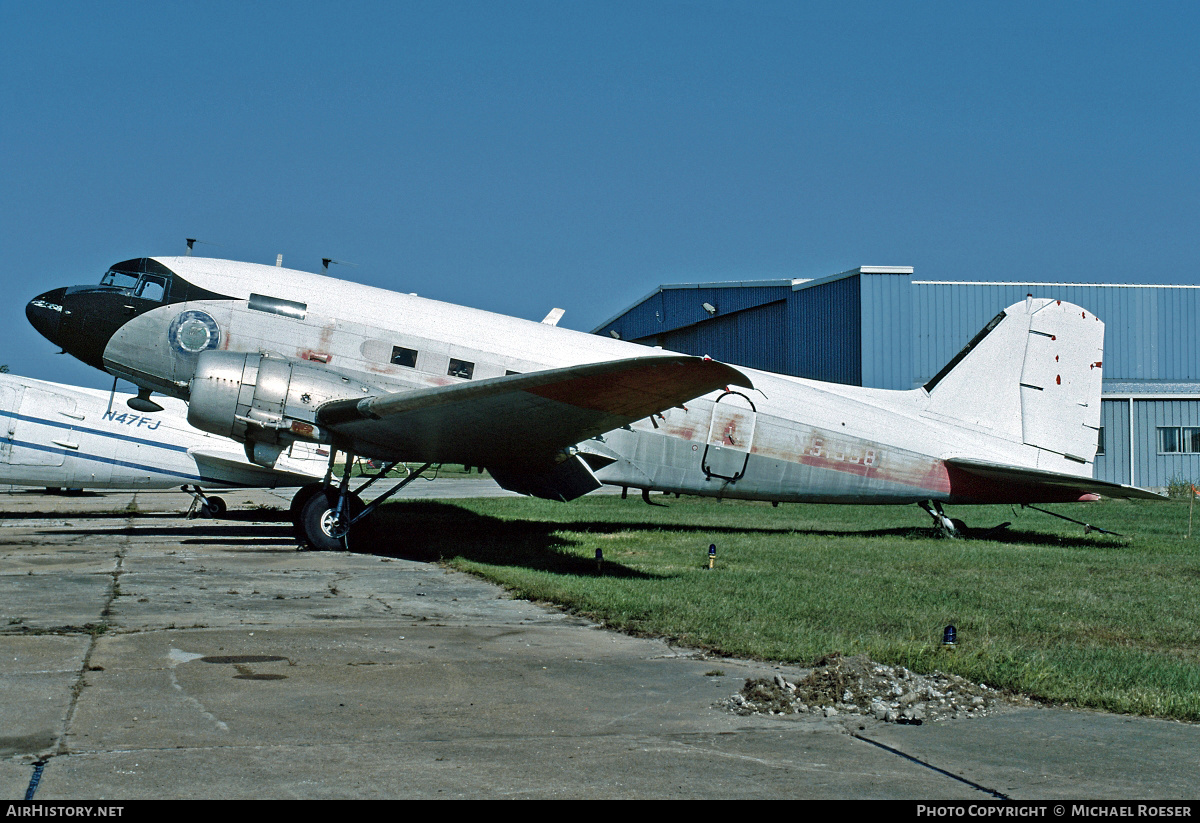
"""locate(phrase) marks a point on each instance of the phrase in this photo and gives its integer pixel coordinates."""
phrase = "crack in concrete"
(114, 591)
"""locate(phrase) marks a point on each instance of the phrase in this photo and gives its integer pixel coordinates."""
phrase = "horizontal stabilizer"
(522, 420)
(1017, 477)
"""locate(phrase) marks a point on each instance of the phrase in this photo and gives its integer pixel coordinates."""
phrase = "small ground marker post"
(599, 561)
(712, 554)
(950, 636)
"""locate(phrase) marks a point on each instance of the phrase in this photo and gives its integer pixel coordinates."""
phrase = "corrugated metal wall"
(887, 330)
(748, 338)
(1113, 465)
(825, 332)
(1150, 467)
(642, 320)
(1149, 332)
(673, 308)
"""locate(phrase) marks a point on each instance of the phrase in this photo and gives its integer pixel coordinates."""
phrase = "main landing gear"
(324, 515)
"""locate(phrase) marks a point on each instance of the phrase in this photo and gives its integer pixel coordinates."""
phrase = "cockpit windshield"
(120, 279)
(143, 277)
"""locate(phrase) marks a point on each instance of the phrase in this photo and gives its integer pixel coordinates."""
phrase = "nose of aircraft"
(45, 314)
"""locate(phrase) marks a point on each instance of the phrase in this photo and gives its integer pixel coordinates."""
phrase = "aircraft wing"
(999, 474)
(521, 419)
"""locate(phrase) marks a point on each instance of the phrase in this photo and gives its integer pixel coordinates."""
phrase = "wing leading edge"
(521, 420)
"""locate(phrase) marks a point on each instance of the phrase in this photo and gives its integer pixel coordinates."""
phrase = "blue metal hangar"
(876, 326)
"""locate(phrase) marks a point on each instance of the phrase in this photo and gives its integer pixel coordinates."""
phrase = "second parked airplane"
(75, 438)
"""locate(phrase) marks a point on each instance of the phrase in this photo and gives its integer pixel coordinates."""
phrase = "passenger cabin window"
(1100, 442)
(404, 357)
(461, 368)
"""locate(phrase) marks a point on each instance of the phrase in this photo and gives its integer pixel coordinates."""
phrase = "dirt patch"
(840, 685)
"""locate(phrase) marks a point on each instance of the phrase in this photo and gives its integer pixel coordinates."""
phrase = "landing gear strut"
(945, 525)
(323, 516)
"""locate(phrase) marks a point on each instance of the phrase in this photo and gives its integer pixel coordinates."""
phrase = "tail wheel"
(322, 530)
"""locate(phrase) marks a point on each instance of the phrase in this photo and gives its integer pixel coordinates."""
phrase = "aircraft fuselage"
(787, 439)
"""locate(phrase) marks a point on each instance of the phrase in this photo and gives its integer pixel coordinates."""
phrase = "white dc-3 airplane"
(269, 356)
(75, 438)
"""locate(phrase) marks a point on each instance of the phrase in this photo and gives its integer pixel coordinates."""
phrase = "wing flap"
(232, 469)
(522, 419)
(1020, 476)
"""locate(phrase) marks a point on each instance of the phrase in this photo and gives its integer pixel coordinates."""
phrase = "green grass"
(1091, 620)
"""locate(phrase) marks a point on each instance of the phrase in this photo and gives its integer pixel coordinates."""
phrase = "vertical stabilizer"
(1031, 376)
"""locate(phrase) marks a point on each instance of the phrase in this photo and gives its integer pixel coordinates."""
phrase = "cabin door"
(730, 437)
(42, 431)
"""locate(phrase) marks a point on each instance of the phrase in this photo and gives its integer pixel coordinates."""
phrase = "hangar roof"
(794, 283)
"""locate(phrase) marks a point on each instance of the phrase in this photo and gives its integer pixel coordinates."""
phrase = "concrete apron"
(143, 655)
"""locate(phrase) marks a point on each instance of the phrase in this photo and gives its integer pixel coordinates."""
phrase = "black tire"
(215, 507)
(302, 496)
(959, 526)
(317, 520)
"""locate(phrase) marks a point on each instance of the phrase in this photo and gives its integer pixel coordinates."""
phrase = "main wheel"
(302, 496)
(321, 531)
(215, 507)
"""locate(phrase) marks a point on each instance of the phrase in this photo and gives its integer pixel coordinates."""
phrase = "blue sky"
(518, 156)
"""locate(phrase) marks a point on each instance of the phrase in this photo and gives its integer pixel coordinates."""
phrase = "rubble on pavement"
(857, 686)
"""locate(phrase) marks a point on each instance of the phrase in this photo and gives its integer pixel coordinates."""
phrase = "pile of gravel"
(841, 685)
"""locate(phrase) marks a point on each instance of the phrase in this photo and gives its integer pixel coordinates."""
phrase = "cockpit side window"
(152, 287)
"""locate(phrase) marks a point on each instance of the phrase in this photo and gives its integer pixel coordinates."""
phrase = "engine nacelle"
(265, 401)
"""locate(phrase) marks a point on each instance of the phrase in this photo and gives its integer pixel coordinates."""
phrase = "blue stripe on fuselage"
(58, 424)
(195, 478)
